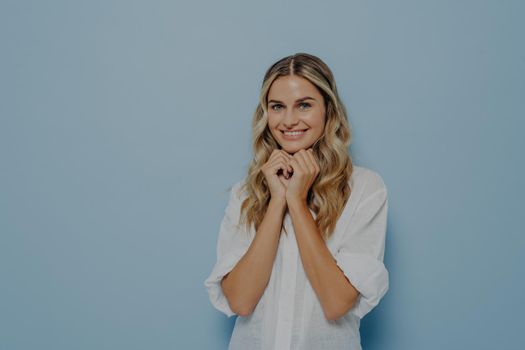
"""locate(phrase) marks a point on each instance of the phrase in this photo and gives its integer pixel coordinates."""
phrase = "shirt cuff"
(368, 275)
(213, 283)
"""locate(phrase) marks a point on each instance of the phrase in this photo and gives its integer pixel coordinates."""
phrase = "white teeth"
(293, 133)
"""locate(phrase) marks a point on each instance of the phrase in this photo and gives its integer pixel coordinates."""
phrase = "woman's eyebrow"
(298, 100)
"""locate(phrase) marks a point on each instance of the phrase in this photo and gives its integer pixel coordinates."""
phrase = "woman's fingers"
(279, 154)
(279, 164)
(313, 161)
(285, 157)
(288, 161)
(275, 153)
(307, 157)
(300, 162)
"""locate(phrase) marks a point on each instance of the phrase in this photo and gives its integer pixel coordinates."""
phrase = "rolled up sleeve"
(232, 243)
(360, 255)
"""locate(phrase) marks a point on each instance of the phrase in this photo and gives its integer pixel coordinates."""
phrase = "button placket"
(288, 280)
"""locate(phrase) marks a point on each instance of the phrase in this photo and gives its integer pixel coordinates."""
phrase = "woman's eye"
(305, 105)
(274, 107)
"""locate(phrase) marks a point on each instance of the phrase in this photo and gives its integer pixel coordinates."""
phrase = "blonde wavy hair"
(330, 191)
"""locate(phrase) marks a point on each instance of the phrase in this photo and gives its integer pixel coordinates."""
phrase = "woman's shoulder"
(237, 188)
(367, 179)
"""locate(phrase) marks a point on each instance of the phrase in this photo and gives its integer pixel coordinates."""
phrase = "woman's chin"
(291, 150)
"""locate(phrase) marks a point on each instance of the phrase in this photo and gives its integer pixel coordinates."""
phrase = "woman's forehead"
(292, 88)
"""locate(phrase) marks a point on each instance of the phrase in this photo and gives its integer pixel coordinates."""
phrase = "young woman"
(301, 245)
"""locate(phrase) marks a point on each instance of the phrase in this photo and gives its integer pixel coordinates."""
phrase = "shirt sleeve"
(232, 244)
(360, 255)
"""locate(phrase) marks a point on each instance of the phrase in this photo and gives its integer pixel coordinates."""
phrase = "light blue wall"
(124, 122)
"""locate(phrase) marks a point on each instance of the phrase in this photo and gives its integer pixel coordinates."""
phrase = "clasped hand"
(291, 176)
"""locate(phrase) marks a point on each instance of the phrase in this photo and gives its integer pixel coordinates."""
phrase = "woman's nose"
(290, 119)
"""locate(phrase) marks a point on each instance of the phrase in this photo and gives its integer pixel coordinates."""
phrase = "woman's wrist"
(278, 203)
(295, 201)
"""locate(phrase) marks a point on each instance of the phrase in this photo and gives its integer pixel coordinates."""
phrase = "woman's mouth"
(293, 135)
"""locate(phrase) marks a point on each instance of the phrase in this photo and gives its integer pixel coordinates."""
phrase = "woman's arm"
(244, 285)
(335, 292)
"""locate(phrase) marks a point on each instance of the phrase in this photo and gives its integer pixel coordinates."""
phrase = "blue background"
(123, 123)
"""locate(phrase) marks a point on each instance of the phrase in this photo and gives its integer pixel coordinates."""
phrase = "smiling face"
(296, 113)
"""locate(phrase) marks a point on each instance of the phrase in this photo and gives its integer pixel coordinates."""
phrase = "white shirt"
(289, 314)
